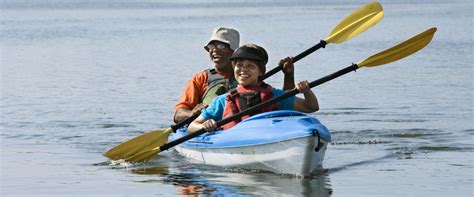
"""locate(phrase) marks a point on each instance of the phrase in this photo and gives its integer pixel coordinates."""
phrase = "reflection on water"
(218, 181)
(197, 179)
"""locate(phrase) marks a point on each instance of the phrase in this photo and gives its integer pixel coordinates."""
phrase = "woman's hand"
(209, 125)
(287, 65)
(303, 86)
(310, 103)
(288, 69)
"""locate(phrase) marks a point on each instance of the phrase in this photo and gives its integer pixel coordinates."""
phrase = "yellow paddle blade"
(139, 144)
(356, 23)
(399, 51)
(143, 156)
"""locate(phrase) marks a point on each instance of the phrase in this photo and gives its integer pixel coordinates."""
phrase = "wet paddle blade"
(144, 156)
(138, 144)
(356, 23)
(399, 51)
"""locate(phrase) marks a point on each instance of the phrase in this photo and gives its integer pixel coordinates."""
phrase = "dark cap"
(251, 53)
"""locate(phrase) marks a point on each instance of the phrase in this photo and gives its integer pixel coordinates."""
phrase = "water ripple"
(111, 125)
(70, 137)
(361, 142)
(440, 148)
(388, 120)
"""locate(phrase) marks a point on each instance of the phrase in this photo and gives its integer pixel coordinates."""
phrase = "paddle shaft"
(185, 121)
(354, 24)
(321, 44)
(253, 109)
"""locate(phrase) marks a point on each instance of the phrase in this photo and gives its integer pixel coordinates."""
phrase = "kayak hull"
(284, 142)
(288, 157)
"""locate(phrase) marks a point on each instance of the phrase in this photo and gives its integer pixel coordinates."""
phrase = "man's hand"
(198, 108)
(183, 113)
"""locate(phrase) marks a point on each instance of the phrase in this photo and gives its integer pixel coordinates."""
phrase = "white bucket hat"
(225, 35)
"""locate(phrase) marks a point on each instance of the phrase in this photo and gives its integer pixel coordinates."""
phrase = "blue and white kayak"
(284, 142)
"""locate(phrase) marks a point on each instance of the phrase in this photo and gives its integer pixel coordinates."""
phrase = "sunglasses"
(218, 46)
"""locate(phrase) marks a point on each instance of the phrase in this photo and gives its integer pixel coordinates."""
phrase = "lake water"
(79, 77)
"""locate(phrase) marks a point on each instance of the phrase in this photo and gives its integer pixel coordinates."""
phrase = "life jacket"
(217, 85)
(240, 99)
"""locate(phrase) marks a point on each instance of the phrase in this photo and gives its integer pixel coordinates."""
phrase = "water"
(79, 77)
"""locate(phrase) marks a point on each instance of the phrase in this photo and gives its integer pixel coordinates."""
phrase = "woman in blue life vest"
(248, 62)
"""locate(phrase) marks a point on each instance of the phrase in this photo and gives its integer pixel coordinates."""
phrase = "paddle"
(395, 53)
(151, 139)
(354, 24)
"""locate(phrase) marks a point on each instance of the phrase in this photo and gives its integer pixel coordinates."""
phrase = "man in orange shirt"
(207, 84)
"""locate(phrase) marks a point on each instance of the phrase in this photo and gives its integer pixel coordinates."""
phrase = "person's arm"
(208, 116)
(183, 113)
(188, 103)
(309, 103)
(200, 122)
(289, 71)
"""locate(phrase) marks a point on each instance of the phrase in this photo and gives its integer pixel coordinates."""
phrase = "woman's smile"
(246, 72)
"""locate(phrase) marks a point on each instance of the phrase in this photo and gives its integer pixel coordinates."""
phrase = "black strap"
(320, 144)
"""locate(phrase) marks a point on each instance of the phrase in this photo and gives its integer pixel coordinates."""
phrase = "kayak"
(283, 142)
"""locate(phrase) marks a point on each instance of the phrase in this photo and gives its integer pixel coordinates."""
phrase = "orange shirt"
(194, 91)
